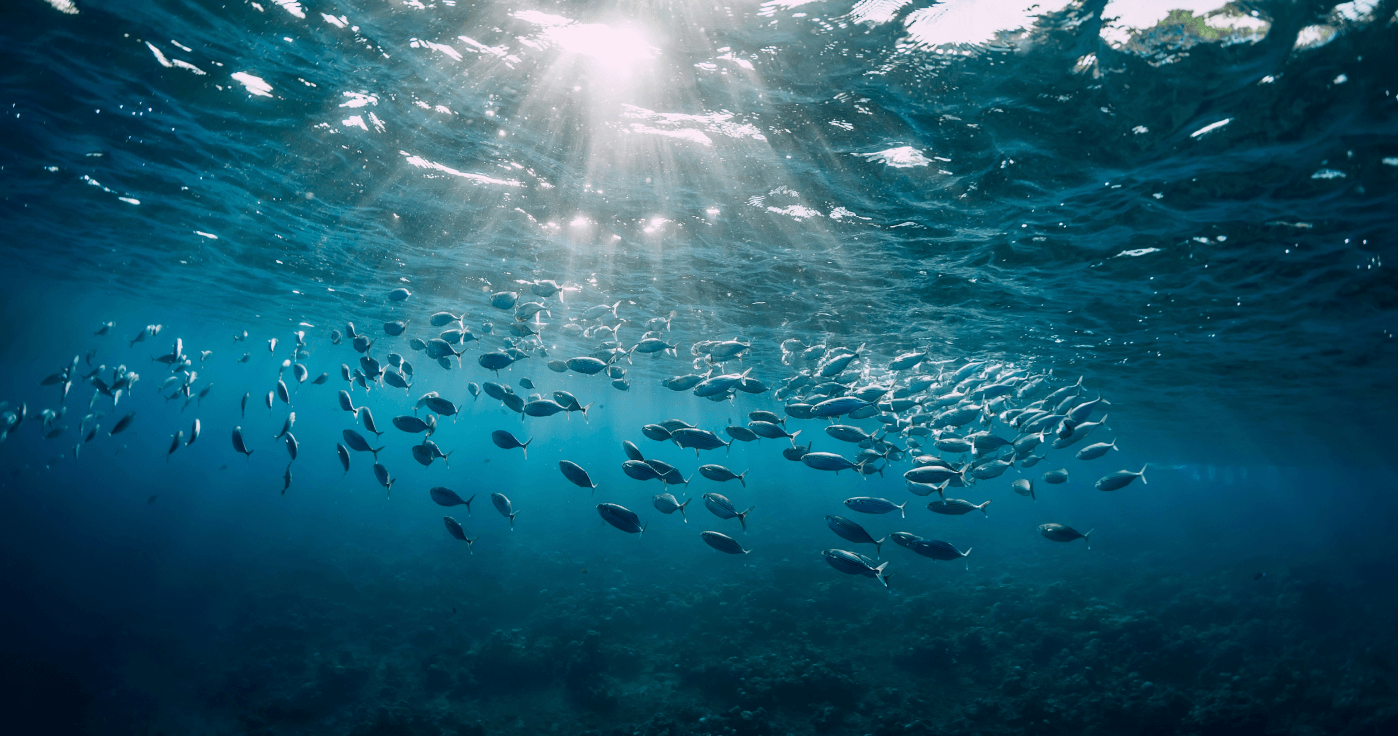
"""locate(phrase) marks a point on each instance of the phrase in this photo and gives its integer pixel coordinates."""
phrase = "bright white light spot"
(359, 99)
(1210, 128)
(973, 21)
(580, 221)
(1328, 174)
(67, 7)
(615, 49)
(255, 85)
(210, 236)
(1137, 252)
(129, 200)
(712, 211)
(355, 121)
(1341, 79)
(903, 157)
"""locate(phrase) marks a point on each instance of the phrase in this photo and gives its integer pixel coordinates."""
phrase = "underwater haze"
(664, 368)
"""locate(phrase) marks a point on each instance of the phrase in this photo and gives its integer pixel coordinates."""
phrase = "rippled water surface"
(1187, 204)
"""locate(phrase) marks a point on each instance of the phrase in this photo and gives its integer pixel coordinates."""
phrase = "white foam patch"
(210, 236)
(359, 99)
(67, 7)
(1211, 127)
(902, 157)
(255, 85)
(1328, 174)
(772, 7)
(159, 56)
(339, 22)
(440, 48)
(973, 21)
(355, 121)
(684, 134)
(423, 163)
(719, 123)
(1313, 37)
(293, 7)
(876, 12)
(129, 200)
(1136, 253)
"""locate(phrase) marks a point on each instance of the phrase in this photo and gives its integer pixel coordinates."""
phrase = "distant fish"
(632, 451)
(1120, 479)
(722, 474)
(175, 443)
(344, 456)
(1061, 533)
(381, 473)
(356, 442)
(1094, 451)
(193, 432)
(399, 294)
(506, 441)
(621, 517)
(286, 426)
(292, 447)
(447, 497)
(455, 529)
(956, 507)
(366, 417)
(122, 424)
(503, 505)
(869, 505)
(724, 509)
(286, 480)
(238, 442)
(666, 503)
(1056, 477)
(938, 550)
(723, 543)
(856, 564)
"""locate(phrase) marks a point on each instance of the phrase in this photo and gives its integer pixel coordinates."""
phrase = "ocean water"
(1182, 208)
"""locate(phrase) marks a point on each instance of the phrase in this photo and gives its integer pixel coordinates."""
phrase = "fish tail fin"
(512, 520)
(682, 514)
(584, 411)
(686, 480)
(388, 487)
(982, 507)
(1088, 537)
(376, 452)
(792, 436)
(469, 544)
(1142, 474)
(525, 448)
(468, 506)
(967, 552)
(643, 529)
(740, 477)
(878, 546)
(901, 511)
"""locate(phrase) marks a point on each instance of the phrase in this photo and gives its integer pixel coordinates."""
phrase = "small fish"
(272, 345)
(722, 474)
(282, 392)
(447, 497)
(1055, 477)
(1120, 479)
(246, 357)
(723, 543)
(666, 503)
(104, 328)
(399, 294)
(271, 397)
(1024, 487)
(175, 443)
(455, 529)
(366, 417)
(238, 442)
(506, 441)
(856, 564)
(938, 550)
(506, 509)
(640, 470)
(286, 480)
(1061, 533)
(356, 442)
(193, 433)
(869, 505)
(526, 383)
(122, 424)
(286, 426)
(621, 517)
(724, 509)
(575, 473)
(655, 432)
(956, 507)
(381, 473)
(632, 451)
(291, 445)
(344, 456)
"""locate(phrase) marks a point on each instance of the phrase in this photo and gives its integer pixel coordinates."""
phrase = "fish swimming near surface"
(455, 529)
(621, 517)
(1061, 533)
(723, 543)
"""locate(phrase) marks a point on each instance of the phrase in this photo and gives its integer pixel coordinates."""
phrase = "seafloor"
(361, 645)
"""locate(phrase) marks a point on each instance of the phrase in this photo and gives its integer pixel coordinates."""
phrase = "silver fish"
(853, 532)
(455, 529)
(506, 509)
(621, 517)
(666, 503)
(238, 442)
(724, 509)
(723, 543)
(1120, 479)
(1061, 533)
(870, 505)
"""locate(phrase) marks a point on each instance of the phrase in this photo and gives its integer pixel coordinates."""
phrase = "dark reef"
(773, 651)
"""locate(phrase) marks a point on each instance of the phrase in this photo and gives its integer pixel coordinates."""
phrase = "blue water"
(1190, 211)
